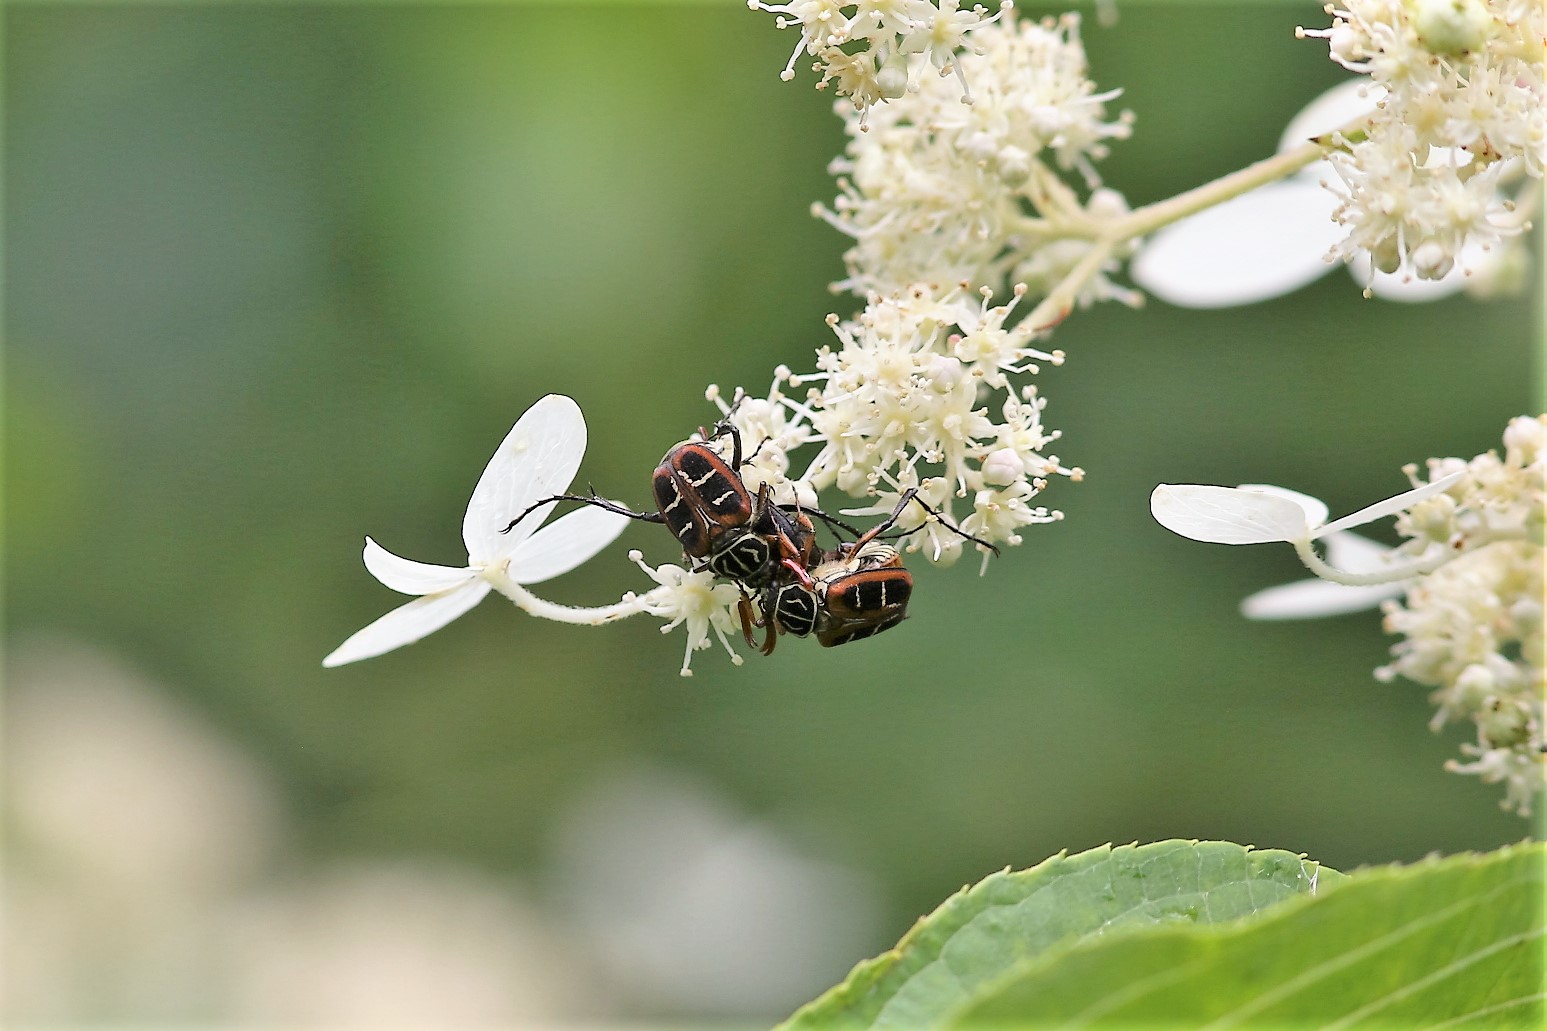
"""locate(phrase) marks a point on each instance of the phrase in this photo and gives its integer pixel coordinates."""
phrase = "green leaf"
(1443, 943)
(950, 958)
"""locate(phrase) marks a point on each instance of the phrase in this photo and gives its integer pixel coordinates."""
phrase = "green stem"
(1107, 235)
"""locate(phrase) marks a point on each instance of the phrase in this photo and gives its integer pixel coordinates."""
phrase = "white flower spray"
(1469, 572)
(952, 199)
(870, 52)
(1472, 628)
(1460, 115)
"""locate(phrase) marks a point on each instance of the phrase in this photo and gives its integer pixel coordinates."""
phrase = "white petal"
(564, 544)
(1355, 554)
(1334, 109)
(409, 577)
(408, 623)
(1391, 505)
(537, 458)
(1262, 244)
(1307, 598)
(1226, 515)
(1315, 509)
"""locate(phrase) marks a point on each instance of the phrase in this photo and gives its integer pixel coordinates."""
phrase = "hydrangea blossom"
(949, 204)
(1461, 114)
(900, 407)
(1469, 572)
(1285, 235)
(934, 191)
(872, 52)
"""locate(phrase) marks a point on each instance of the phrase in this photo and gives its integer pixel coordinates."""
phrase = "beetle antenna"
(606, 504)
(912, 494)
(833, 522)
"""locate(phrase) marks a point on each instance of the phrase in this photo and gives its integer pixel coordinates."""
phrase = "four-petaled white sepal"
(537, 459)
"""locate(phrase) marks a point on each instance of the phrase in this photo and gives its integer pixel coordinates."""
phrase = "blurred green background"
(281, 276)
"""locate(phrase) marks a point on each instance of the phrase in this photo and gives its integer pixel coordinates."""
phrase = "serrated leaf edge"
(1283, 910)
(866, 973)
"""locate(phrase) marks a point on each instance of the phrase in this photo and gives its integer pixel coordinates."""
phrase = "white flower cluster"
(934, 191)
(948, 205)
(1472, 629)
(1461, 113)
(900, 408)
(878, 51)
(1471, 570)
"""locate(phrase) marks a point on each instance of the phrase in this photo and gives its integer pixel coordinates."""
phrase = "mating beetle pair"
(855, 591)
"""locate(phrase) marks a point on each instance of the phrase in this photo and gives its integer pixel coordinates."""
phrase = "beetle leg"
(744, 610)
(773, 633)
(723, 428)
(735, 447)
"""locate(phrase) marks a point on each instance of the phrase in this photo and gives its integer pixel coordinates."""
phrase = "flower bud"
(1433, 519)
(1107, 203)
(1503, 723)
(1523, 439)
(1014, 165)
(1473, 685)
(1450, 27)
(944, 373)
(1346, 44)
(980, 146)
(892, 79)
(1003, 467)
(1430, 261)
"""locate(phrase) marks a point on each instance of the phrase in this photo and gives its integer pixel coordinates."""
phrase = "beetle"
(854, 592)
(861, 595)
(701, 499)
(707, 507)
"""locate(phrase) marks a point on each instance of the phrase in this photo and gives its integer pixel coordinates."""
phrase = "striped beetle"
(849, 594)
(702, 500)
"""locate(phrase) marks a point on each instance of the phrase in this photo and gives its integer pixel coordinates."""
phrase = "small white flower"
(1462, 112)
(696, 599)
(881, 49)
(537, 459)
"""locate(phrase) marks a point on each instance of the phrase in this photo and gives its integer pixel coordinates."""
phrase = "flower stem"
(1280, 166)
(1059, 302)
(1393, 574)
(533, 605)
(1107, 235)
